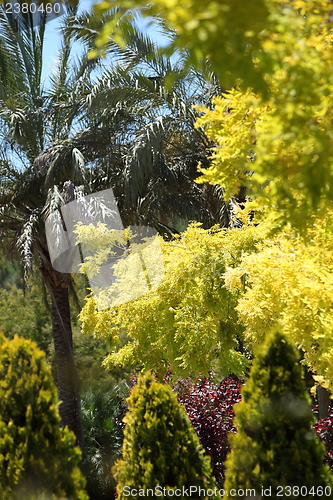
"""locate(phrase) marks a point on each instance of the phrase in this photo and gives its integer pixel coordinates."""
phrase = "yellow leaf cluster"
(290, 283)
(223, 290)
(232, 126)
(189, 321)
(280, 145)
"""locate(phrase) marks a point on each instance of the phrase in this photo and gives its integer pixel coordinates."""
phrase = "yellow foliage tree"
(223, 290)
(272, 131)
(290, 283)
(280, 144)
(189, 320)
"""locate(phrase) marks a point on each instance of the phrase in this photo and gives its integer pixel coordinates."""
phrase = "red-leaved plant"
(210, 409)
(324, 430)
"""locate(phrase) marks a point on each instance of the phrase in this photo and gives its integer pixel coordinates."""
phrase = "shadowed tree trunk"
(324, 401)
(67, 376)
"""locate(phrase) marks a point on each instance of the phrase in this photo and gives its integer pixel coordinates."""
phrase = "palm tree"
(94, 126)
(152, 161)
(37, 158)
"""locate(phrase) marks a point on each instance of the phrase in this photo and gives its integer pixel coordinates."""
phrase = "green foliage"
(160, 446)
(32, 322)
(89, 355)
(225, 32)
(10, 272)
(275, 444)
(103, 408)
(38, 459)
(189, 321)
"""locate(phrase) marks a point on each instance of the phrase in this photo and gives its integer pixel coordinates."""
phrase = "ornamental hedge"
(160, 446)
(38, 459)
(276, 446)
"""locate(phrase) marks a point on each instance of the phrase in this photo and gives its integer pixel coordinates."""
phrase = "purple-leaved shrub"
(210, 409)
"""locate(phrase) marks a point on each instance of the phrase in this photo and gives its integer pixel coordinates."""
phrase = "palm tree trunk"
(67, 376)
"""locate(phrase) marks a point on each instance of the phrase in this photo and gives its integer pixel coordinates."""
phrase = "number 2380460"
(32, 8)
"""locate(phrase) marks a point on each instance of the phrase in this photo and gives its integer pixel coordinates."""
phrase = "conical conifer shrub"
(275, 450)
(38, 459)
(161, 449)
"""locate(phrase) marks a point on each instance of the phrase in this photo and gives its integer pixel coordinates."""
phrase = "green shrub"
(275, 446)
(103, 409)
(38, 459)
(33, 321)
(160, 446)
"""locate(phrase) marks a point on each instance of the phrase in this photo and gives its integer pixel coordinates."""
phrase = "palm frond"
(59, 163)
(26, 239)
(21, 50)
(53, 202)
(9, 59)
